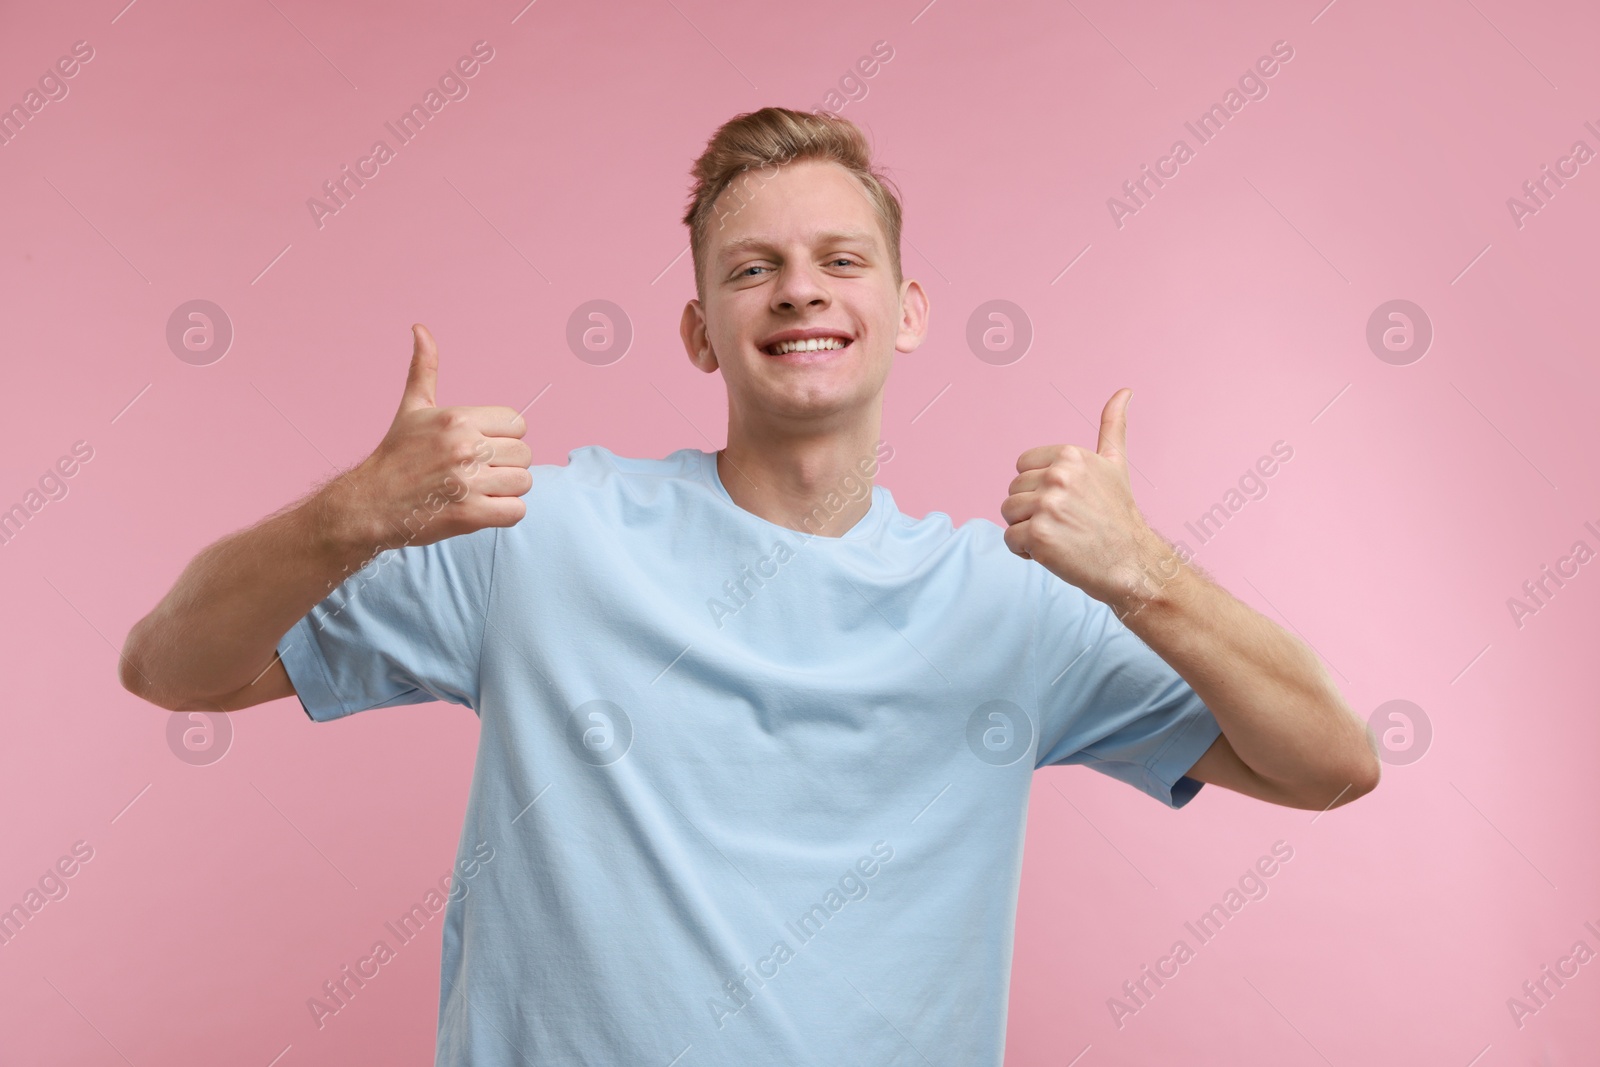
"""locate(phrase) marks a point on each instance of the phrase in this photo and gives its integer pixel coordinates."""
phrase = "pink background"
(1235, 303)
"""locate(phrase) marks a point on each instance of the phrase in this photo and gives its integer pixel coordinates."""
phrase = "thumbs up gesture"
(438, 472)
(1071, 510)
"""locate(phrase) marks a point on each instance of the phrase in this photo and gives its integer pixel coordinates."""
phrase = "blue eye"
(838, 259)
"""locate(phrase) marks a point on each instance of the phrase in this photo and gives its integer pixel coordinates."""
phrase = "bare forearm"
(1287, 734)
(218, 627)
(1272, 697)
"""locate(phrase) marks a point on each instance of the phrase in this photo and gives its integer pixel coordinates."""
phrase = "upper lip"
(803, 335)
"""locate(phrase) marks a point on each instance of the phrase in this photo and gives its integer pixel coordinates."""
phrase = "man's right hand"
(438, 472)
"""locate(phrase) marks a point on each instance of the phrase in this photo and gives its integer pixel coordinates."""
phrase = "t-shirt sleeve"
(405, 629)
(1108, 701)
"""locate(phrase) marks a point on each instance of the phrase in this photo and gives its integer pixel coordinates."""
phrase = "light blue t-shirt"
(751, 796)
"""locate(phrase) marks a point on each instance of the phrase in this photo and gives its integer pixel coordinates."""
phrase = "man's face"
(801, 251)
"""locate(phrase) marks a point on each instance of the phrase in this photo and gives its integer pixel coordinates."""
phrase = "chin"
(815, 402)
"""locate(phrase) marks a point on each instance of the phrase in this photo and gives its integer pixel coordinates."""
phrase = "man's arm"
(1288, 737)
(211, 643)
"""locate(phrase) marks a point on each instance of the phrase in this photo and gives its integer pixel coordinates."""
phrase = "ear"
(914, 309)
(696, 342)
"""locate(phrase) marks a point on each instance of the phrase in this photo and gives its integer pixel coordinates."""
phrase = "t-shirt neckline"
(877, 511)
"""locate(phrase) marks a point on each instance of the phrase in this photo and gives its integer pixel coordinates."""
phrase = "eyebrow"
(745, 244)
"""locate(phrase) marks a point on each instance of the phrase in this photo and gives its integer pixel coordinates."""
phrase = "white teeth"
(816, 344)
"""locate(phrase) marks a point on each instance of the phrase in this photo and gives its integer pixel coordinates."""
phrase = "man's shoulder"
(597, 464)
(973, 534)
(598, 486)
(971, 552)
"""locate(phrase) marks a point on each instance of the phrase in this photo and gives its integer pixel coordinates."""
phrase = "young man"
(755, 747)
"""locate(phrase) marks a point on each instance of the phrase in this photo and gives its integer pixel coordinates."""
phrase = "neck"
(818, 484)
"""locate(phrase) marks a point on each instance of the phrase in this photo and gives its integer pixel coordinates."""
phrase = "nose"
(800, 286)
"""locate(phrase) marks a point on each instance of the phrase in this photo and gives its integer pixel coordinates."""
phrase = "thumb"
(1114, 426)
(423, 377)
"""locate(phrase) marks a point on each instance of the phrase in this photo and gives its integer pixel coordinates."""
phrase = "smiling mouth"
(815, 345)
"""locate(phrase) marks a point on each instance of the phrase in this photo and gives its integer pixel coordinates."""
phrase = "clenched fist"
(438, 472)
(1071, 509)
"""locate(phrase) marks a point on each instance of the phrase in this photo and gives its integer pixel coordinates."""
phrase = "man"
(755, 747)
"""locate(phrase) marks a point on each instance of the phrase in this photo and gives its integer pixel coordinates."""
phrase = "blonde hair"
(768, 139)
